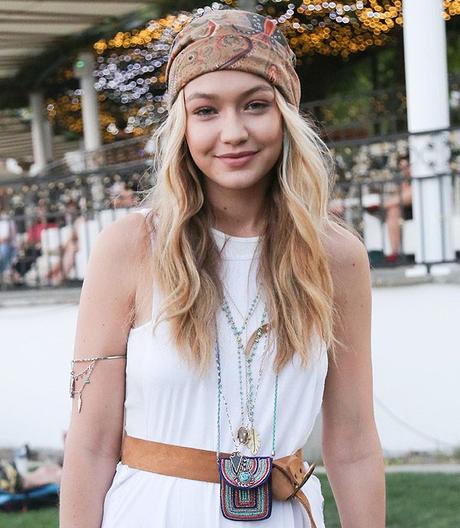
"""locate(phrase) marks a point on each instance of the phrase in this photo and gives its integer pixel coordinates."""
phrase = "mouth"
(237, 159)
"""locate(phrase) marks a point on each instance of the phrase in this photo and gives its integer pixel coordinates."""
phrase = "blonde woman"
(215, 325)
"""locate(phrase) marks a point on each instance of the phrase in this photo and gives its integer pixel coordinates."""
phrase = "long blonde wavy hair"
(293, 268)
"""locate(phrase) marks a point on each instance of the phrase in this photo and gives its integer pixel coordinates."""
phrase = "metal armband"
(85, 374)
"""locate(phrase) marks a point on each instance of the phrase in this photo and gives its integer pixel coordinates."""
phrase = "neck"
(238, 212)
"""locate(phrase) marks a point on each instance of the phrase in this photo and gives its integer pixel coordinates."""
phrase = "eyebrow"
(201, 95)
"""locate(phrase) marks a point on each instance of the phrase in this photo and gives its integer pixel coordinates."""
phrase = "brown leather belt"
(288, 474)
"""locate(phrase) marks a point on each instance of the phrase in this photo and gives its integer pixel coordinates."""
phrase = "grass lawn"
(414, 501)
(42, 518)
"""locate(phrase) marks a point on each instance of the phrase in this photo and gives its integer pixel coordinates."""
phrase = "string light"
(130, 66)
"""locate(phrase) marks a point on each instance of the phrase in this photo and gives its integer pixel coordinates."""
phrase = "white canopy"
(28, 27)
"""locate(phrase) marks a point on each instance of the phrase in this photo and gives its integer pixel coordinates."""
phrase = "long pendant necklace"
(243, 436)
(247, 433)
(220, 395)
(243, 433)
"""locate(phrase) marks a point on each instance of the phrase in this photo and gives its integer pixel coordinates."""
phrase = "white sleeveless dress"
(166, 402)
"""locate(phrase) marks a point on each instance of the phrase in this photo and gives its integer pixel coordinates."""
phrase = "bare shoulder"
(347, 257)
(115, 264)
(124, 238)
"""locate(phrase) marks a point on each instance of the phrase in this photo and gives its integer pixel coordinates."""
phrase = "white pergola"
(27, 29)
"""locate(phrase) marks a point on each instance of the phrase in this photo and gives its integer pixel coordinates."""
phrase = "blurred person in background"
(122, 195)
(8, 242)
(398, 207)
(31, 249)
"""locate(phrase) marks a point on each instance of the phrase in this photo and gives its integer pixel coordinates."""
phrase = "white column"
(428, 109)
(39, 135)
(83, 69)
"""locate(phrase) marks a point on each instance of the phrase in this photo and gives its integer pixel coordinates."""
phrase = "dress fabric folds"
(166, 402)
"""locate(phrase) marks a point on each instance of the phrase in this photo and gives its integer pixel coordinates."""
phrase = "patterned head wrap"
(233, 40)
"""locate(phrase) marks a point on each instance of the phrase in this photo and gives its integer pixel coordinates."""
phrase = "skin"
(233, 112)
(351, 448)
(113, 285)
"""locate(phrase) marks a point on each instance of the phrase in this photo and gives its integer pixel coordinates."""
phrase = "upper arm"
(104, 320)
(348, 397)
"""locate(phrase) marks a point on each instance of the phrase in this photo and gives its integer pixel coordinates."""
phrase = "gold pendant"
(263, 330)
(253, 441)
(79, 403)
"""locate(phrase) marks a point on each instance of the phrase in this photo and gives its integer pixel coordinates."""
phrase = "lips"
(237, 154)
(237, 159)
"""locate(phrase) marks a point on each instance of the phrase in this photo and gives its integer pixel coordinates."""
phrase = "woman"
(227, 296)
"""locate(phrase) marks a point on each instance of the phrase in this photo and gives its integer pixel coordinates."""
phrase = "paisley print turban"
(231, 39)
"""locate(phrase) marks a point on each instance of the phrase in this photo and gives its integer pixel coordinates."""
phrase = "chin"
(237, 180)
(237, 183)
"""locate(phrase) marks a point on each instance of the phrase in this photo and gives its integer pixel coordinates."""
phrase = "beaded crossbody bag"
(245, 487)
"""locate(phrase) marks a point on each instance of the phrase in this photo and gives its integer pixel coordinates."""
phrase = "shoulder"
(124, 237)
(112, 275)
(347, 258)
(121, 247)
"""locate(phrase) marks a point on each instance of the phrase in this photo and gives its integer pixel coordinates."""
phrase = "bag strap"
(288, 478)
(302, 498)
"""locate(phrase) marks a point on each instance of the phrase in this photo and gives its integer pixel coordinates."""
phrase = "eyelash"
(259, 104)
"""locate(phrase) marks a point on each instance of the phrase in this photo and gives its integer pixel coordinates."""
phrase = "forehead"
(226, 83)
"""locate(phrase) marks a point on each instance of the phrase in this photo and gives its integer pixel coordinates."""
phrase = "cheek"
(270, 129)
(199, 139)
(273, 138)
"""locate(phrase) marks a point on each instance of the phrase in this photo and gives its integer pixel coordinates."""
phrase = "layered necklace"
(246, 434)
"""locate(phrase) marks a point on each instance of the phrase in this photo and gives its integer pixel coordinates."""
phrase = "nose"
(234, 130)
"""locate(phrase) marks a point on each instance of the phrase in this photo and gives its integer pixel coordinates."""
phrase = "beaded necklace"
(219, 399)
(242, 431)
(246, 435)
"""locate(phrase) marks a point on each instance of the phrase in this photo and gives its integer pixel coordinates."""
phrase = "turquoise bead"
(244, 477)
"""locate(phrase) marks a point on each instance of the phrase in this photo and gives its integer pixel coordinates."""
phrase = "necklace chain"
(219, 398)
(249, 408)
(240, 346)
(251, 395)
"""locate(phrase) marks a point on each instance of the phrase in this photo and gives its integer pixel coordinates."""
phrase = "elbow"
(347, 445)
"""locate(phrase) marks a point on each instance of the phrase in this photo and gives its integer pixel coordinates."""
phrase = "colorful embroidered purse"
(245, 487)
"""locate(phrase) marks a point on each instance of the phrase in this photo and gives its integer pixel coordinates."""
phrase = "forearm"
(86, 477)
(359, 490)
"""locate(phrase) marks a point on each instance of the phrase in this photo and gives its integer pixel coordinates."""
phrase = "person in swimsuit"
(242, 183)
